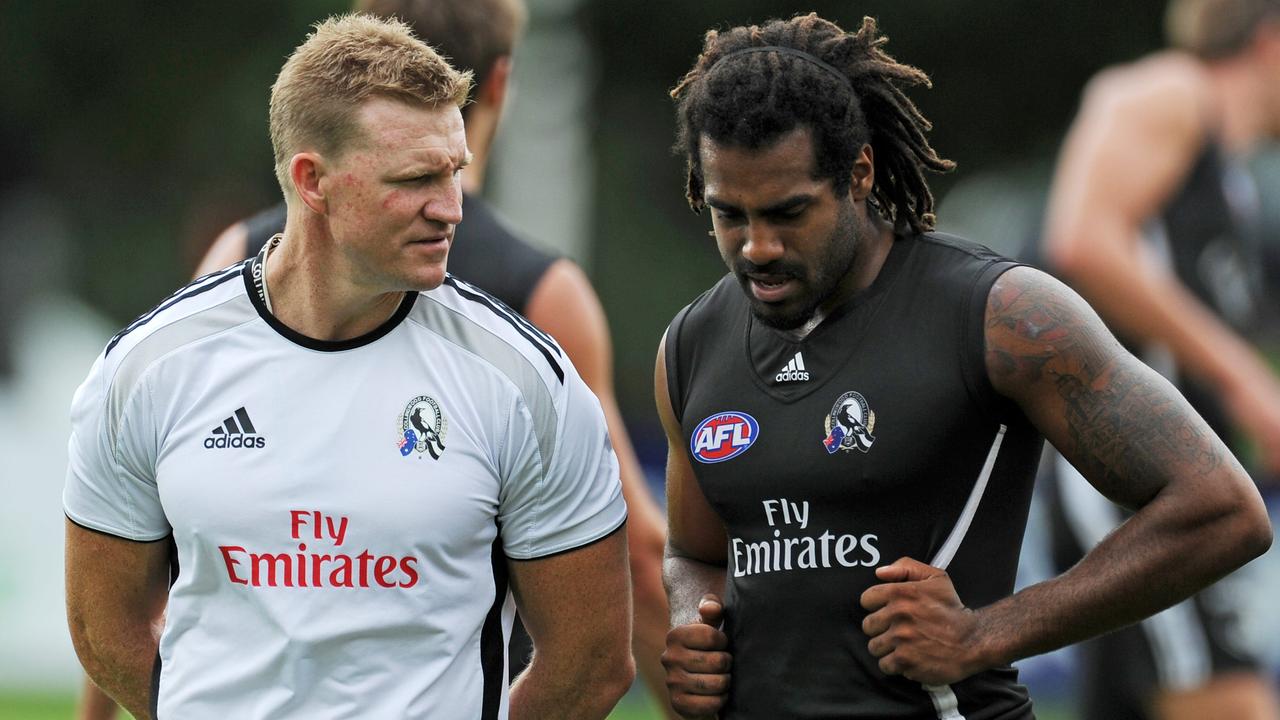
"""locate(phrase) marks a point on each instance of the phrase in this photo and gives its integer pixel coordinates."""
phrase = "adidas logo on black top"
(236, 431)
(793, 372)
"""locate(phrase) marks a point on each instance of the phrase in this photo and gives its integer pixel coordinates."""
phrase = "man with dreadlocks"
(855, 412)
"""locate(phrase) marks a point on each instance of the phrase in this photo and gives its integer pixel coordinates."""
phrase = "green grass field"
(61, 707)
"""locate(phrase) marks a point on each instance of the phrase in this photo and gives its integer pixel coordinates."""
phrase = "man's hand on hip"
(917, 626)
(697, 663)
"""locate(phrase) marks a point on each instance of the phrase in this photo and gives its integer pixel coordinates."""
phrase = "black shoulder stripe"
(189, 290)
(499, 306)
(489, 303)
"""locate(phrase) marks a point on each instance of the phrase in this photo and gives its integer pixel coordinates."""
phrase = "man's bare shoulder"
(1168, 87)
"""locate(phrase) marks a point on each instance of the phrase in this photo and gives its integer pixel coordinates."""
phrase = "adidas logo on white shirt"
(793, 372)
(237, 431)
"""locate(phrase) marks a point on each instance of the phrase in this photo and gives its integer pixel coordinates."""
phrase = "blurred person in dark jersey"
(855, 413)
(553, 292)
(1154, 220)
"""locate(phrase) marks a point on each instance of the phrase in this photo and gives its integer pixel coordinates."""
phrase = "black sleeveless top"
(484, 252)
(1209, 234)
(877, 436)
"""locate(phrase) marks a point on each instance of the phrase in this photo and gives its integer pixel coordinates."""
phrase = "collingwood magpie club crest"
(849, 424)
(422, 428)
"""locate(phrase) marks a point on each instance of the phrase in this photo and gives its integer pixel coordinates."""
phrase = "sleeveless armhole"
(261, 227)
(675, 380)
(973, 359)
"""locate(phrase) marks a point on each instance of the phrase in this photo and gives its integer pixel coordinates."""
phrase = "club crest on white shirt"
(423, 427)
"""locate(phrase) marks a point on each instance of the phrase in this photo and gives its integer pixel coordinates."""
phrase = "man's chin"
(424, 280)
(780, 318)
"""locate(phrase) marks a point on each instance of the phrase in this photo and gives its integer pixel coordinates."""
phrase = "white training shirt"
(342, 511)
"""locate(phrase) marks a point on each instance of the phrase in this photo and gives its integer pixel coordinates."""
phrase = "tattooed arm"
(1133, 436)
(1197, 514)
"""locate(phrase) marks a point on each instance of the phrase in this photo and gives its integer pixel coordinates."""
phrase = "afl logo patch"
(422, 428)
(849, 424)
(724, 436)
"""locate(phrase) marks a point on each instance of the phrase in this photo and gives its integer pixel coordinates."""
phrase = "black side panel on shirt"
(485, 251)
(491, 641)
(827, 457)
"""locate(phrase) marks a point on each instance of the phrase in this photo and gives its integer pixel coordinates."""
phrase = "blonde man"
(346, 447)
(553, 292)
(1152, 218)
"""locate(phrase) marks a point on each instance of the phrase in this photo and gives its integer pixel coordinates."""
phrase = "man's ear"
(306, 170)
(493, 91)
(862, 178)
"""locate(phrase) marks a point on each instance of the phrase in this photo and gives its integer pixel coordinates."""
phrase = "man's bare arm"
(1138, 132)
(564, 304)
(116, 589)
(1198, 515)
(696, 554)
(696, 657)
(576, 607)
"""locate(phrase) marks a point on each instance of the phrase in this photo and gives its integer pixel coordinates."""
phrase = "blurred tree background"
(144, 126)
(133, 132)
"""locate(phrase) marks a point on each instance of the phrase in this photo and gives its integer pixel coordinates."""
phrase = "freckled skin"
(396, 198)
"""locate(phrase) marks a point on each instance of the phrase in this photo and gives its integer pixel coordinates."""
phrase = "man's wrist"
(985, 649)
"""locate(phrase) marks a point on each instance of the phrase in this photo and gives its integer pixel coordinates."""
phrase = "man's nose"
(445, 206)
(762, 245)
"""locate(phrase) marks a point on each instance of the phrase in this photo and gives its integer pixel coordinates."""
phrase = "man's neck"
(1235, 87)
(866, 269)
(313, 291)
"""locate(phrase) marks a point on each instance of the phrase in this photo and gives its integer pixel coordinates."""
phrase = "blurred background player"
(480, 36)
(1153, 219)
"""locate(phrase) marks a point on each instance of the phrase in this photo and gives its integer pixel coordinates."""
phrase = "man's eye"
(727, 215)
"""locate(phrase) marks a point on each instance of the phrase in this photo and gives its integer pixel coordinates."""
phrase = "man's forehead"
(390, 124)
(790, 150)
(786, 162)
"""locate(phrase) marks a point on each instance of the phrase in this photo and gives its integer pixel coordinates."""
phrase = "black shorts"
(1178, 649)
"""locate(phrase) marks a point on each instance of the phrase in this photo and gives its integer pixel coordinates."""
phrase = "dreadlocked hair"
(753, 98)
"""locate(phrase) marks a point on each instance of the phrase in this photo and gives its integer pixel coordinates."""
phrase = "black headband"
(813, 59)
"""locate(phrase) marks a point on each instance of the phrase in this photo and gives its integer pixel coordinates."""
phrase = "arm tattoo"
(1124, 423)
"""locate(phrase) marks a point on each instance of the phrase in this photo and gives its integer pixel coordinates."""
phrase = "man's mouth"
(771, 288)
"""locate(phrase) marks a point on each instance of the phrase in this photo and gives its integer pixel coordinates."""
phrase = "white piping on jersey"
(945, 702)
(455, 327)
(1179, 646)
(948, 550)
(135, 361)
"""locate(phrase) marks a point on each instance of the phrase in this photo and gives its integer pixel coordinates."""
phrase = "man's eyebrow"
(781, 207)
(466, 159)
(790, 203)
(718, 204)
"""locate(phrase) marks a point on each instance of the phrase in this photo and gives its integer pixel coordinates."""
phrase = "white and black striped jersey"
(878, 436)
(343, 512)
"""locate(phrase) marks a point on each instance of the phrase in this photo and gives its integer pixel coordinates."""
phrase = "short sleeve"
(110, 485)
(571, 499)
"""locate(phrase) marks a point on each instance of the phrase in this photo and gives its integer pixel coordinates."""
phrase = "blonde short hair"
(1216, 28)
(346, 60)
